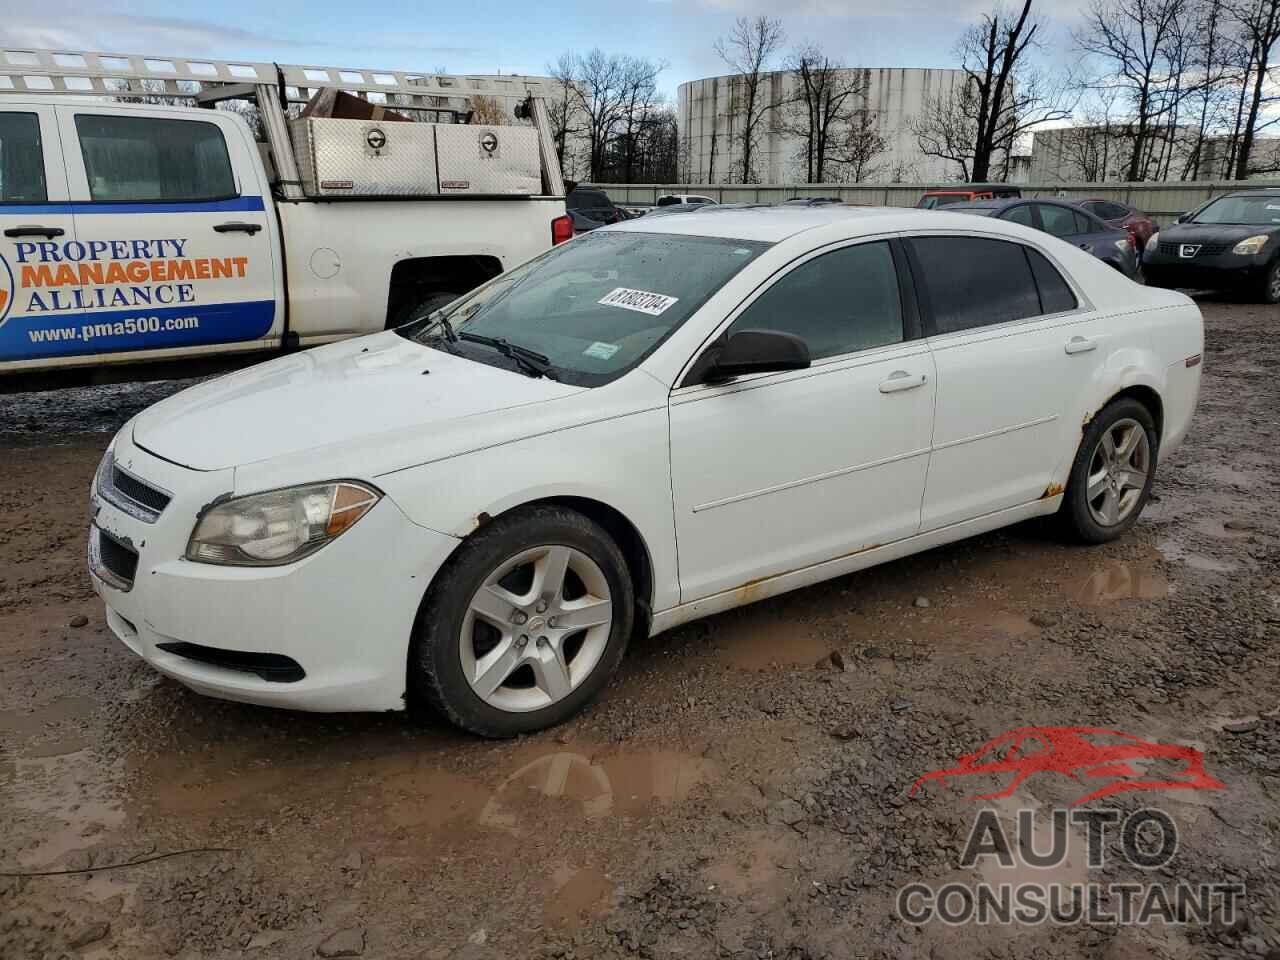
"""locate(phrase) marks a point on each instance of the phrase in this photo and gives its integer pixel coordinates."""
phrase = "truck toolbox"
(365, 158)
(494, 160)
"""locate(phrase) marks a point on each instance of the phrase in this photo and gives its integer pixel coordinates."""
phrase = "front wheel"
(525, 625)
(1270, 292)
(1111, 477)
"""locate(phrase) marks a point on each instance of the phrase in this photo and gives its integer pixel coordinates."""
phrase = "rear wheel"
(525, 625)
(1111, 477)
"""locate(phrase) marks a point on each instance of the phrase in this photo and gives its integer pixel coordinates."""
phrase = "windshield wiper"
(530, 361)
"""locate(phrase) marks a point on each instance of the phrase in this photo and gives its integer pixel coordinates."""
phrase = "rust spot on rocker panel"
(1053, 490)
(749, 591)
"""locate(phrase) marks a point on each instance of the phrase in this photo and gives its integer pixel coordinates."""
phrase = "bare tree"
(563, 111)
(607, 92)
(748, 50)
(1260, 22)
(857, 147)
(640, 104)
(823, 104)
(1003, 97)
(1139, 44)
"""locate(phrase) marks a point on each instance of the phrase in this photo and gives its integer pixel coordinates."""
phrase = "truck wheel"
(416, 309)
(525, 625)
(1111, 477)
(1270, 292)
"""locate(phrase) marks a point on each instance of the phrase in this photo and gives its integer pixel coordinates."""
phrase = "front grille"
(272, 667)
(119, 560)
(1206, 249)
(134, 496)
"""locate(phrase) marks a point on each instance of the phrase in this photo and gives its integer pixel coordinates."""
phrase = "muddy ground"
(726, 798)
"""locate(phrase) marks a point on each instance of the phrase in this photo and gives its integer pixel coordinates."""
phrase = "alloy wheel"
(1118, 472)
(536, 628)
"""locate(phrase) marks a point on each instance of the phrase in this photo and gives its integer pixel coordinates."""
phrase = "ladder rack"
(274, 87)
(140, 75)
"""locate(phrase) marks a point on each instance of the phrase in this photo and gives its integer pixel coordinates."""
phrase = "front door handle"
(34, 230)
(1081, 345)
(901, 380)
(249, 228)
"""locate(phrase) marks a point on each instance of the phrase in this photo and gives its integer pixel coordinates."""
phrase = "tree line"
(1155, 90)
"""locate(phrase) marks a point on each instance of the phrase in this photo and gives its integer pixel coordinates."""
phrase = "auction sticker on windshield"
(641, 301)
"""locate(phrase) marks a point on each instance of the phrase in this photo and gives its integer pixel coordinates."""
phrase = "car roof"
(773, 224)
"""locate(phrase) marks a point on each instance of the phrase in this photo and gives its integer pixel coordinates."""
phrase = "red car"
(1122, 216)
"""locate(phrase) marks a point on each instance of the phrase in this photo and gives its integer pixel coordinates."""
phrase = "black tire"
(1269, 288)
(428, 303)
(436, 676)
(1075, 515)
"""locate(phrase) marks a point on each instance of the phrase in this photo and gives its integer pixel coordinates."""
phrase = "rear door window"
(1020, 214)
(21, 159)
(152, 158)
(974, 281)
(1055, 294)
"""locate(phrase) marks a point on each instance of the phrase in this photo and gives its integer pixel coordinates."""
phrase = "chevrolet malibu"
(662, 420)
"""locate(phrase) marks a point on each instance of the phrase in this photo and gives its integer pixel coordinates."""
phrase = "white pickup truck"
(146, 239)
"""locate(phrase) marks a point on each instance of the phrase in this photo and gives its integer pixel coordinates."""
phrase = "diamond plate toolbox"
(494, 160)
(365, 158)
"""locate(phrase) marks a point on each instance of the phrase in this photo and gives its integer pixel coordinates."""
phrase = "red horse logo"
(1079, 752)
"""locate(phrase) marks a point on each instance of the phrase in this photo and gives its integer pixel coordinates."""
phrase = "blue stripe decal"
(143, 328)
(234, 205)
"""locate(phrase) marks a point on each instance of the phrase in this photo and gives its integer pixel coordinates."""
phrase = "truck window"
(21, 159)
(150, 158)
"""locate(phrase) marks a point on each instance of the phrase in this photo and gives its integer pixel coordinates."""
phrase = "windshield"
(594, 307)
(1261, 210)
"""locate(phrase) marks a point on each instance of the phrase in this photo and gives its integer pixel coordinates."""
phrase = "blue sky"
(511, 36)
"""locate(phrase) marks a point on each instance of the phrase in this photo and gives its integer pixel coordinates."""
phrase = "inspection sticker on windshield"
(601, 351)
(641, 301)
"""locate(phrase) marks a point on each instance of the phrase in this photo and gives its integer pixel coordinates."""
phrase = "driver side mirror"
(757, 351)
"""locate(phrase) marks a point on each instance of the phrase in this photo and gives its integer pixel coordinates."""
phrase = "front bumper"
(1225, 271)
(344, 614)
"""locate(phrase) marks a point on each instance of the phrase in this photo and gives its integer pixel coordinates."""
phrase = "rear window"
(942, 199)
(668, 201)
(588, 200)
(153, 158)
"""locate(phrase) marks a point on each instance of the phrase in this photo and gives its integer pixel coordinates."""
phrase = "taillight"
(561, 229)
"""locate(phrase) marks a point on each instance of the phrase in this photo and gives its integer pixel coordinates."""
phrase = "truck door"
(33, 210)
(175, 249)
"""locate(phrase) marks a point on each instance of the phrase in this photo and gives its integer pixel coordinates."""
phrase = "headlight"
(103, 473)
(281, 526)
(1247, 248)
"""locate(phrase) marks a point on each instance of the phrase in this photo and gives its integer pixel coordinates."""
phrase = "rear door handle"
(1081, 345)
(34, 230)
(249, 228)
(901, 380)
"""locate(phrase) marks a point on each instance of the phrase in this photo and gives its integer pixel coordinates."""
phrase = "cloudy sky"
(511, 36)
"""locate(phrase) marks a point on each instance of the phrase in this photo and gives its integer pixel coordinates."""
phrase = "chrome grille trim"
(114, 492)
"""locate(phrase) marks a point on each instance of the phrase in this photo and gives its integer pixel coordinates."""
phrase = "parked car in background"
(593, 205)
(656, 422)
(1230, 243)
(1114, 247)
(678, 199)
(965, 192)
(1122, 216)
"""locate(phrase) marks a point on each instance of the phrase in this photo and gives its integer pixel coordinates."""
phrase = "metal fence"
(1163, 200)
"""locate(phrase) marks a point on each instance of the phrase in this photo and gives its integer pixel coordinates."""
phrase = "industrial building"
(711, 114)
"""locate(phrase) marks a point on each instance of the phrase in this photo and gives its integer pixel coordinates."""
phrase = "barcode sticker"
(641, 301)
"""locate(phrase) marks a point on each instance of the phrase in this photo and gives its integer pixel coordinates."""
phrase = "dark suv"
(591, 208)
(1229, 243)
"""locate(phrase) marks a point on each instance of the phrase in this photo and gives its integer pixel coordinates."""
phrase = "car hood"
(331, 396)
(1211, 232)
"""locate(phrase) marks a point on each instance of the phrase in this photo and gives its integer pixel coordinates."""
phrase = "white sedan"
(659, 421)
